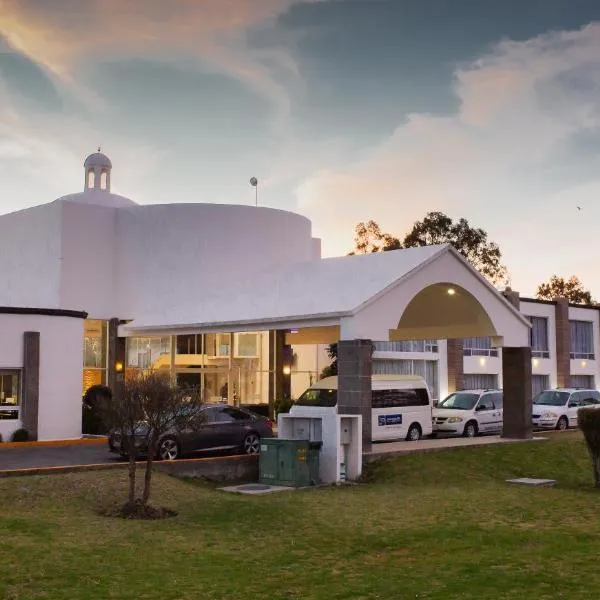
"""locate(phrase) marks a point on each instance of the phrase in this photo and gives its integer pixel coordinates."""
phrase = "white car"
(469, 413)
(557, 409)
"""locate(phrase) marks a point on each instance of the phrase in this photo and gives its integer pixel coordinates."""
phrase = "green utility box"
(293, 463)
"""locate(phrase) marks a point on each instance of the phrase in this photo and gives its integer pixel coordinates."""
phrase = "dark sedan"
(223, 428)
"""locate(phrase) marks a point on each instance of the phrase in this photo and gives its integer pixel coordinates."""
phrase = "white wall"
(177, 254)
(587, 367)
(88, 259)
(61, 370)
(30, 257)
(544, 366)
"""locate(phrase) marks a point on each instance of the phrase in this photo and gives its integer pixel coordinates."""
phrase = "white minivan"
(401, 405)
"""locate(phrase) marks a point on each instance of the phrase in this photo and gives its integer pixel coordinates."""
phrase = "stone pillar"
(516, 372)
(513, 297)
(278, 382)
(31, 383)
(354, 360)
(563, 339)
(455, 357)
(116, 353)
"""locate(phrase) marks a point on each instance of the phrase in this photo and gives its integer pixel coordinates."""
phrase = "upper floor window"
(408, 346)
(538, 337)
(581, 343)
(479, 346)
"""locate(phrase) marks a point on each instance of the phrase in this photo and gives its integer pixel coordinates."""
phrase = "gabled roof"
(330, 287)
(322, 289)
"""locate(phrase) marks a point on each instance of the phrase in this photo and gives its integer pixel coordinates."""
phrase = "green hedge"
(20, 435)
(588, 420)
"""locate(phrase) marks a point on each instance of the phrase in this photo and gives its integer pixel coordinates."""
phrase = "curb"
(107, 466)
(56, 443)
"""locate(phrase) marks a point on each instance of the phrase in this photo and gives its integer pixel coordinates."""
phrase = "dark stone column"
(113, 352)
(456, 376)
(31, 383)
(354, 360)
(513, 297)
(516, 373)
(563, 353)
(279, 384)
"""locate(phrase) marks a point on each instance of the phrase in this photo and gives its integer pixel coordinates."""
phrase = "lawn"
(436, 525)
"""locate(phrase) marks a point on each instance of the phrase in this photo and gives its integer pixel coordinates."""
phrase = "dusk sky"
(345, 110)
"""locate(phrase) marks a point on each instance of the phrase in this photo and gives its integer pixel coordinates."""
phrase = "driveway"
(29, 457)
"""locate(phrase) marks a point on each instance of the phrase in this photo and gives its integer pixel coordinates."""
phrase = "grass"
(436, 526)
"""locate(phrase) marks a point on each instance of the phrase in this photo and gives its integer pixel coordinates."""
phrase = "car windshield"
(460, 401)
(313, 397)
(551, 398)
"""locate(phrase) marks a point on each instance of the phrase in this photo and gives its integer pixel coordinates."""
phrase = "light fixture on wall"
(451, 291)
(584, 363)
(535, 362)
(119, 366)
(287, 370)
(482, 362)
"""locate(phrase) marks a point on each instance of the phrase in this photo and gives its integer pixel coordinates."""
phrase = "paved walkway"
(383, 449)
(30, 457)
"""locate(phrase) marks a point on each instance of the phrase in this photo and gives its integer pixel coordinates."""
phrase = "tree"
(471, 242)
(369, 238)
(331, 369)
(437, 228)
(143, 409)
(558, 287)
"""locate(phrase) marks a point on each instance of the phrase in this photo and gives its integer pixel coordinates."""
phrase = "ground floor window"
(95, 353)
(480, 381)
(10, 394)
(539, 383)
(583, 381)
(428, 369)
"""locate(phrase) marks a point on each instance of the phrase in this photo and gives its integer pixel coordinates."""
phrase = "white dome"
(97, 160)
(99, 197)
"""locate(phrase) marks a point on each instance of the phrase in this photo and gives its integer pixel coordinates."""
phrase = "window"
(234, 414)
(91, 179)
(148, 352)
(486, 402)
(428, 369)
(189, 344)
(538, 337)
(581, 339)
(479, 346)
(103, 180)
(590, 398)
(10, 397)
(95, 353)
(318, 398)
(399, 398)
(539, 383)
(498, 400)
(247, 345)
(480, 381)
(582, 381)
(218, 345)
(460, 401)
(408, 346)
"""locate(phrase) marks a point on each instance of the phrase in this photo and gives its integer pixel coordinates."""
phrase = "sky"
(345, 111)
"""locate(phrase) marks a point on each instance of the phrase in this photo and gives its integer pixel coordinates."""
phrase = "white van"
(401, 405)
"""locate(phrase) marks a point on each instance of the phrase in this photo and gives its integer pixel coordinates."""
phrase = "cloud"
(521, 105)
(63, 35)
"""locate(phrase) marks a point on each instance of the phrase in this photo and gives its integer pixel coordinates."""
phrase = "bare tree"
(143, 410)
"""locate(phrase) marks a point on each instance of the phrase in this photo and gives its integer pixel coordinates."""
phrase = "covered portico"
(419, 293)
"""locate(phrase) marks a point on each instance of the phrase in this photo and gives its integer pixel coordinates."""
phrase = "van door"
(485, 410)
(573, 406)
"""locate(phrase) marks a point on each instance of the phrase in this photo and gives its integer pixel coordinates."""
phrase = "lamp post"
(254, 184)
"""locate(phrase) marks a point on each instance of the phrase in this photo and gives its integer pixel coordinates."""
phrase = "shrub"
(20, 435)
(589, 423)
(283, 405)
(91, 418)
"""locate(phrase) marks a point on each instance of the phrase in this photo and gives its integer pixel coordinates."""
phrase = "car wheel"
(252, 443)
(562, 424)
(414, 433)
(470, 429)
(168, 449)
